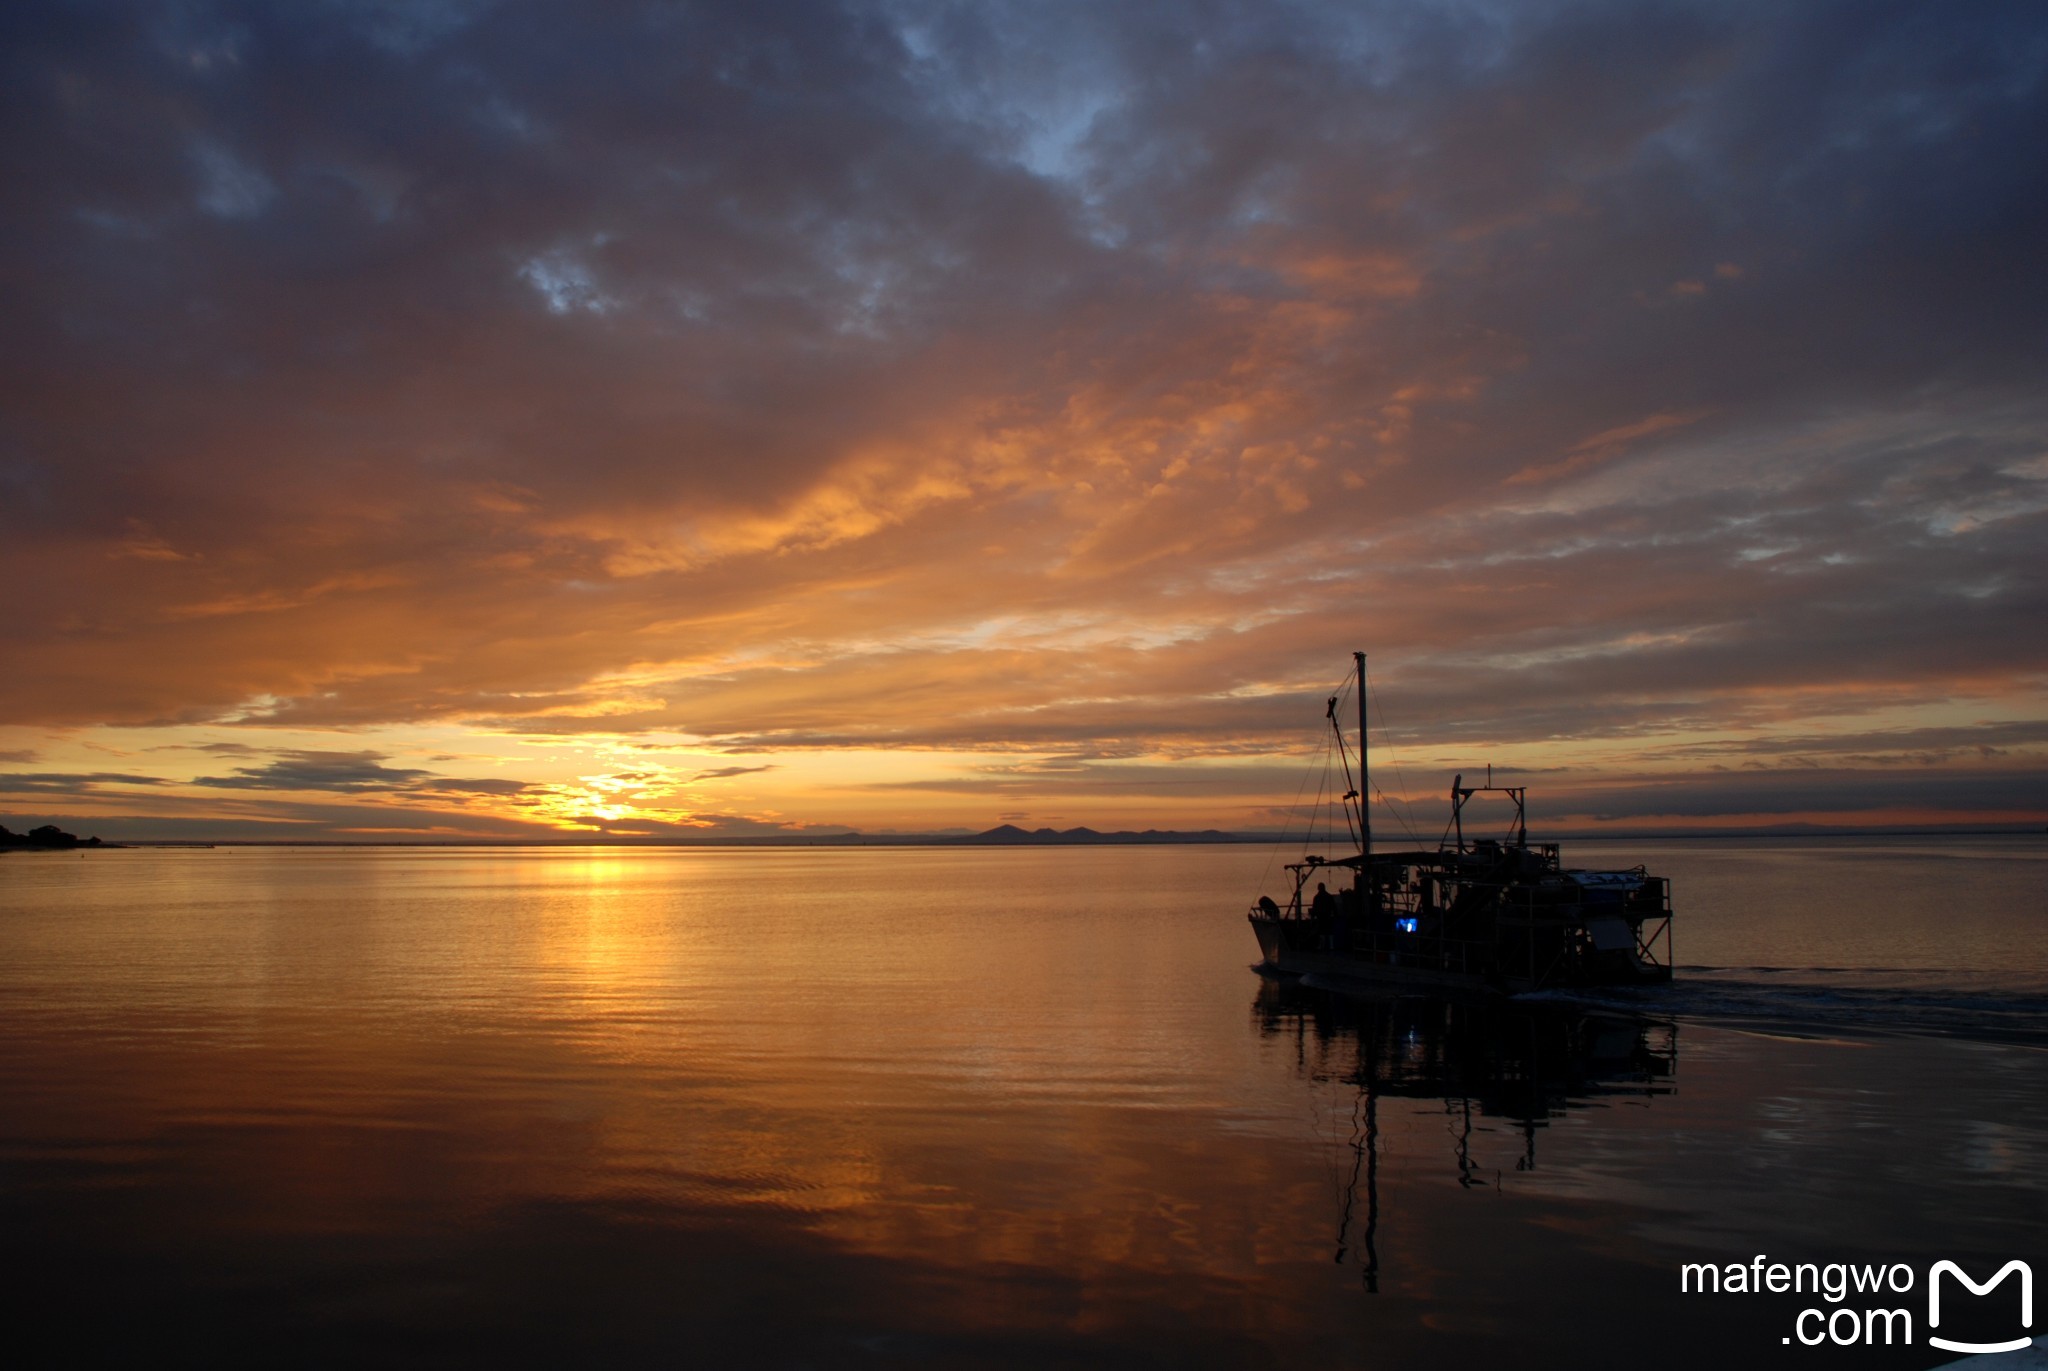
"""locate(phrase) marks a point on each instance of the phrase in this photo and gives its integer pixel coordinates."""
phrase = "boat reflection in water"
(1487, 1058)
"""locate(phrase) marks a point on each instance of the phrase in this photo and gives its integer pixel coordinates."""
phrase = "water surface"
(972, 1107)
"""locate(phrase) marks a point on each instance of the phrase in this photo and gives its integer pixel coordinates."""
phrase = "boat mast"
(1364, 768)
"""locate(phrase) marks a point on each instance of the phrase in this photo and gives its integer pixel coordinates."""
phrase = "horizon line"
(1077, 837)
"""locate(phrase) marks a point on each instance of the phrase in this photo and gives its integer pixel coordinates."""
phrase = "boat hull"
(1309, 948)
(1288, 947)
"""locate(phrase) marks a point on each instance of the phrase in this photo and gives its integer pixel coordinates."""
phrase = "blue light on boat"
(1405, 925)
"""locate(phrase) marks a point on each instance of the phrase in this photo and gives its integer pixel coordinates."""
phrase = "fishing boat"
(1480, 915)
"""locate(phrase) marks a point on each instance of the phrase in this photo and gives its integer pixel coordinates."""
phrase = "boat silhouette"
(1471, 915)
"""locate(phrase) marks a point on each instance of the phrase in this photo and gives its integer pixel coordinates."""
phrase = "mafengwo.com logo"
(1863, 1301)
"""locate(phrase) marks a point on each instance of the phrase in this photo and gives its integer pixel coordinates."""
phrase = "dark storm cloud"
(67, 783)
(1811, 791)
(1096, 778)
(318, 771)
(279, 207)
(720, 773)
(352, 772)
(484, 785)
(1895, 747)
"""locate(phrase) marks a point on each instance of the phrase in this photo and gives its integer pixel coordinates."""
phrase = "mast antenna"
(1364, 766)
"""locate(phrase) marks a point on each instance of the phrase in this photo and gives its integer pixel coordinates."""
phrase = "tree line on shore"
(49, 835)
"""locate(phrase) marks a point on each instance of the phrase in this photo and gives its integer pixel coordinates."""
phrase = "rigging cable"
(1405, 815)
(1343, 697)
(1341, 701)
(1286, 831)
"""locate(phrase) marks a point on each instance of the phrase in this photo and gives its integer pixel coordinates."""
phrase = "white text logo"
(2026, 1304)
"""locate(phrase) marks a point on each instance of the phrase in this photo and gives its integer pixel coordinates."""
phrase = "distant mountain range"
(1008, 834)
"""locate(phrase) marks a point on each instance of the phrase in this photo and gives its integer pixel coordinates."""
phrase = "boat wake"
(1831, 999)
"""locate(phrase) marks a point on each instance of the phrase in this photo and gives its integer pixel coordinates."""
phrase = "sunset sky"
(426, 420)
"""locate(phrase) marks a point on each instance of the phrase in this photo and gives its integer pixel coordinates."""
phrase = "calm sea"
(972, 1107)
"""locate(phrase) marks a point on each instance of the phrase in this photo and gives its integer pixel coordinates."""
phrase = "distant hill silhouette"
(1010, 834)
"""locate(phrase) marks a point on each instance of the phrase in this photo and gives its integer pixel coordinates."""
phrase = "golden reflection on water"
(993, 1095)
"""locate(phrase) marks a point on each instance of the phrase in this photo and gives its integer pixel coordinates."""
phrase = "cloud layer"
(1022, 409)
